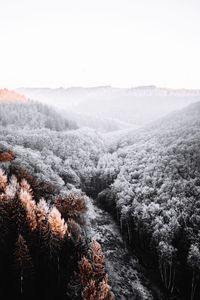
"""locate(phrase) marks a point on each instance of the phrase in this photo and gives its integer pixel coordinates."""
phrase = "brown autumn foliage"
(90, 291)
(98, 259)
(25, 196)
(3, 181)
(42, 189)
(45, 245)
(74, 231)
(42, 211)
(7, 156)
(26, 229)
(71, 206)
(57, 223)
(86, 271)
(93, 276)
(105, 290)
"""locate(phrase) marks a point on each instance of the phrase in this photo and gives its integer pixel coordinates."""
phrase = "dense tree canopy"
(148, 178)
(43, 250)
(155, 189)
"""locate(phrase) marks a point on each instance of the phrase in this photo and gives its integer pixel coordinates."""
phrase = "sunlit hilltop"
(8, 95)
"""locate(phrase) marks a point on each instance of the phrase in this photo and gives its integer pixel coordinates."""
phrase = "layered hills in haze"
(107, 109)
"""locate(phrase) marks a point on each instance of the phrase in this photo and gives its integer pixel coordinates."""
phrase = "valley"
(145, 182)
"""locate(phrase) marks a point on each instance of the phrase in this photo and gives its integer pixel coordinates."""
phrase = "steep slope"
(154, 191)
(43, 247)
(48, 144)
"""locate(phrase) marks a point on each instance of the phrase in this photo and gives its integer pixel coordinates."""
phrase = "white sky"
(100, 42)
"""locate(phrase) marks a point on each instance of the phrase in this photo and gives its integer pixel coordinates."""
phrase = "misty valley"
(100, 193)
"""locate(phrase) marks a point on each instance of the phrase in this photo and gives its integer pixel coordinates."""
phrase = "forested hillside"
(44, 144)
(147, 179)
(49, 145)
(45, 251)
(32, 115)
(152, 181)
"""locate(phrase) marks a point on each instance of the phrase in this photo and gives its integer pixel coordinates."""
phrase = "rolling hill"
(109, 109)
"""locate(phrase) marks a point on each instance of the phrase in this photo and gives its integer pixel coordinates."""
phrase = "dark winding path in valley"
(125, 273)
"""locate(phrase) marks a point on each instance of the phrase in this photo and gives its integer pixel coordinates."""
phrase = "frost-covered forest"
(101, 212)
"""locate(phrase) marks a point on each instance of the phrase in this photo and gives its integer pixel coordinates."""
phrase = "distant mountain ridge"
(148, 90)
(159, 91)
(8, 95)
(99, 107)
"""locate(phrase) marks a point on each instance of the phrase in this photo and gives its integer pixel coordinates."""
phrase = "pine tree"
(98, 259)
(93, 277)
(7, 156)
(3, 181)
(23, 265)
(57, 224)
(25, 196)
(86, 271)
(71, 206)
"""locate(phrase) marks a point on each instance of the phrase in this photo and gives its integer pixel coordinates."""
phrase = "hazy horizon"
(100, 86)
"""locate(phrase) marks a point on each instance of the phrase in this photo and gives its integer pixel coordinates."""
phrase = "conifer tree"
(71, 206)
(23, 265)
(25, 196)
(3, 181)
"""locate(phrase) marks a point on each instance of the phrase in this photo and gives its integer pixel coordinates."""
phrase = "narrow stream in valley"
(125, 273)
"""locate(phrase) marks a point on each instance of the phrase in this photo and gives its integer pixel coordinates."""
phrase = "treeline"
(32, 115)
(153, 186)
(43, 250)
